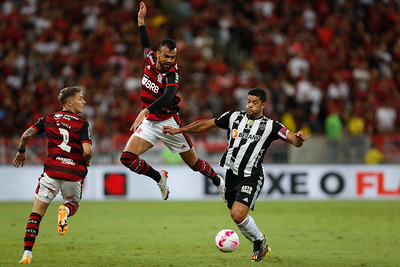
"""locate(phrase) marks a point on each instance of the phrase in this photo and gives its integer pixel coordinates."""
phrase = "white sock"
(250, 230)
(27, 253)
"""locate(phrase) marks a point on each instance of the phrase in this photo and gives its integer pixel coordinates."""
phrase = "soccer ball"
(227, 240)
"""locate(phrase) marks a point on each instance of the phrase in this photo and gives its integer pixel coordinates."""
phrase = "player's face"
(77, 103)
(165, 58)
(254, 107)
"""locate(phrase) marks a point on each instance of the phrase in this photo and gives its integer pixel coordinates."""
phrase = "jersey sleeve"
(85, 133)
(223, 120)
(39, 125)
(144, 39)
(172, 78)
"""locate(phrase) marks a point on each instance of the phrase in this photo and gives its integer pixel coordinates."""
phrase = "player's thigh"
(144, 138)
(137, 145)
(47, 189)
(71, 191)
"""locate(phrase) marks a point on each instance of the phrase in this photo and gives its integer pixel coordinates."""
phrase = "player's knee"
(127, 158)
(238, 216)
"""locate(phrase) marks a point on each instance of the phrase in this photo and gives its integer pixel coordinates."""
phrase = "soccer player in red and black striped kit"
(160, 84)
(69, 152)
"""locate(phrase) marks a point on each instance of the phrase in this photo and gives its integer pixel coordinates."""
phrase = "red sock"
(72, 206)
(32, 230)
(205, 168)
(138, 165)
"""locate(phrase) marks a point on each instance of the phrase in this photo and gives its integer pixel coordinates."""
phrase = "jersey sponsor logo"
(150, 85)
(89, 133)
(237, 134)
(63, 124)
(66, 161)
(246, 189)
(259, 157)
(58, 116)
(68, 117)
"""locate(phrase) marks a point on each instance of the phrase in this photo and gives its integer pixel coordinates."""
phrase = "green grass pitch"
(135, 233)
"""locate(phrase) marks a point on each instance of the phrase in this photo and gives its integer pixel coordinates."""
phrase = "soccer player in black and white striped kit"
(249, 135)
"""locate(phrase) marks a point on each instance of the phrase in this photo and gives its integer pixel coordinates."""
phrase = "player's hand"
(139, 119)
(142, 11)
(168, 129)
(301, 136)
(19, 160)
(136, 124)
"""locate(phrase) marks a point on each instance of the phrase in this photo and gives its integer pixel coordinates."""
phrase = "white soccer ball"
(227, 240)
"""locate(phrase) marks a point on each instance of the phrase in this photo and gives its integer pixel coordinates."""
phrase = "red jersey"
(153, 86)
(65, 132)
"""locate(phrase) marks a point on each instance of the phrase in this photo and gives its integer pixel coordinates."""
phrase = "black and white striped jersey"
(248, 141)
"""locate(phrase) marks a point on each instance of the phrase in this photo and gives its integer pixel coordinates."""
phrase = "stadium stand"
(315, 58)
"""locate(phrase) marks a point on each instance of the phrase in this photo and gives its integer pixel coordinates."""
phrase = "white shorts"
(48, 189)
(151, 131)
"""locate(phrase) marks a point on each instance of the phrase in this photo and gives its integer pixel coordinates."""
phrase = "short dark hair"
(260, 93)
(171, 44)
(68, 92)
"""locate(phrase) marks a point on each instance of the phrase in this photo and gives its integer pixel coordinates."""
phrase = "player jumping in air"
(160, 84)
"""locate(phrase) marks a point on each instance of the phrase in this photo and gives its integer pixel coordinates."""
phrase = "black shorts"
(243, 189)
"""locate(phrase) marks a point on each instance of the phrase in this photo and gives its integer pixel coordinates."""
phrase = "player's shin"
(138, 165)
(250, 230)
(205, 168)
(32, 230)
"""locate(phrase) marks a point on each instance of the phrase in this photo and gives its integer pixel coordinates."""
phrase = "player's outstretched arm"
(20, 157)
(195, 127)
(296, 139)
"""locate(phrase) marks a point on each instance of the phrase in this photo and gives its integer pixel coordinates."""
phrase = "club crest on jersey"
(159, 78)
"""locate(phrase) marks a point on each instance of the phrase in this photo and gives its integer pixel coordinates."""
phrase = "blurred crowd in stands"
(330, 66)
